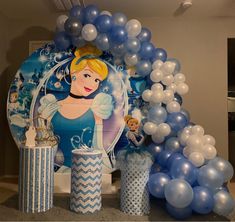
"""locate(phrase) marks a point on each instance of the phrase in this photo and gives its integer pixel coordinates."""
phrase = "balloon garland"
(187, 172)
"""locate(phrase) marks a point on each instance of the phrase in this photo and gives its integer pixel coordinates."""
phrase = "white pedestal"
(62, 183)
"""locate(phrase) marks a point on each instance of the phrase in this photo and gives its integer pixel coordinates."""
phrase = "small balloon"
(60, 22)
(209, 152)
(89, 32)
(119, 19)
(179, 213)
(196, 158)
(156, 75)
(157, 64)
(168, 96)
(182, 89)
(168, 68)
(157, 87)
(133, 27)
(132, 45)
(157, 184)
(177, 121)
(131, 59)
(179, 78)
(150, 128)
(160, 54)
(173, 158)
(203, 201)
(147, 50)
(168, 80)
(143, 67)
(157, 96)
(172, 144)
(146, 95)
(163, 157)
(156, 138)
(118, 34)
(157, 114)
(178, 98)
(209, 177)
(103, 23)
(179, 193)
(73, 26)
(224, 203)
(177, 65)
(91, 12)
(163, 129)
(173, 107)
(102, 41)
(154, 149)
(106, 13)
(208, 139)
(145, 35)
(77, 11)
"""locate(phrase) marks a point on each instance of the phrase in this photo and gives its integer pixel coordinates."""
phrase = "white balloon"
(163, 129)
(156, 75)
(208, 139)
(89, 32)
(157, 96)
(168, 96)
(197, 130)
(167, 80)
(146, 95)
(133, 27)
(173, 107)
(186, 151)
(182, 88)
(196, 158)
(157, 64)
(150, 128)
(194, 141)
(179, 78)
(168, 67)
(172, 87)
(60, 22)
(157, 87)
(106, 13)
(157, 138)
(209, 152)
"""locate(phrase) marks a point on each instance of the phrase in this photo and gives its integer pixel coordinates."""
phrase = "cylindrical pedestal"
(36, 182)
(134, 191)
(86, 177)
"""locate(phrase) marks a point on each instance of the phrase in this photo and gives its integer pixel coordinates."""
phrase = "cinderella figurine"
(78, 119)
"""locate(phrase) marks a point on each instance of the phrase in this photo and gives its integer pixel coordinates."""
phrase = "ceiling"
(30, 9)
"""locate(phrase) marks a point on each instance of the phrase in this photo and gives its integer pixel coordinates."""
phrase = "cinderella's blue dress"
(73, 132)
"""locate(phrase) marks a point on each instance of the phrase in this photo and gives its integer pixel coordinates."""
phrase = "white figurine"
(30, 137)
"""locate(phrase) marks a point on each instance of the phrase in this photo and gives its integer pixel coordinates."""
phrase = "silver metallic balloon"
(224, 203)
(73, 26)
(60, 22)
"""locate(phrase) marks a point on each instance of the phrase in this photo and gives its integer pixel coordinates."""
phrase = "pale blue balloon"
(132, 45)
(179, 193)
(224, 203)
(177, 65)
(143, 67)
(172, 144)
(209, 177)
(119, 19)
(157, 114)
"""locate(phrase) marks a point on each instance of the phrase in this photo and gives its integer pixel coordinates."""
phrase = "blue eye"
(86, 75)
(97, 80)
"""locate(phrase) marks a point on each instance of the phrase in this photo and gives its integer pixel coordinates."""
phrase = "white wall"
(199, 45)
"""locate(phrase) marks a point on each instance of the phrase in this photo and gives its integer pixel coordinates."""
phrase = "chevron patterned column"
(36, 179)
(86, 177)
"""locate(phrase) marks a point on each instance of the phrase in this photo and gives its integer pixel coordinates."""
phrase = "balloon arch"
(187, 172)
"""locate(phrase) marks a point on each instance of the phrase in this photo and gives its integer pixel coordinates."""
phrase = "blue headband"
(86, 57)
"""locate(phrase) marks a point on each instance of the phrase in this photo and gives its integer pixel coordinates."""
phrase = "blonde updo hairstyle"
(129, 119)
(95, 64)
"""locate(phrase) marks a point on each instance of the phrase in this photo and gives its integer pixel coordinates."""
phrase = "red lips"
(87, 89)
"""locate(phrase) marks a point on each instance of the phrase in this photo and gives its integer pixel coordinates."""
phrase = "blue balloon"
(62, 41)
(185, 112)
(77, 11)
(147, 50)
(203, 201)
(91, 12)
(78, 41)
(178, 98)
(103, 23)
(160, 54)
(118, 50)
(177, 121)
(132, 45)
(209, 177)
(118, 34)
(154, 149)
(183, 169)
(145, 35)
(179, 213)
(143, 67)
(155, 168)
(102, 41)
(157, 184)
(173, 158)
(173, 144)
(157, 114)
(163, 157)
(177, 65)
(119, 19)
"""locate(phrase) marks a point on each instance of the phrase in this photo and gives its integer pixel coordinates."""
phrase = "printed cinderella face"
(133, 125)
(87, 81)
(13, 97)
